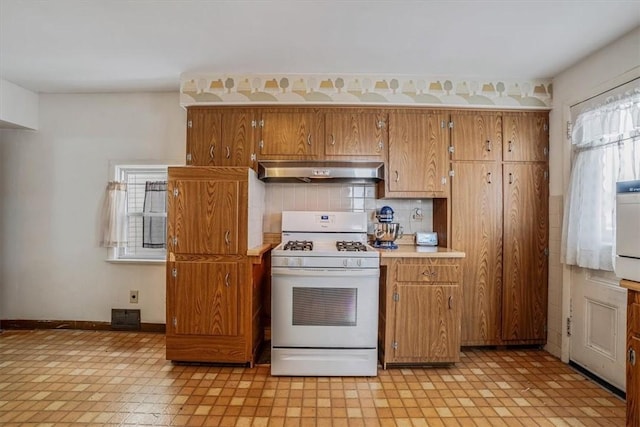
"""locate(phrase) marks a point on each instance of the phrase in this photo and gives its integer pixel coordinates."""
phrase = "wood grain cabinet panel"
(476, 198)
(204, 135)
(206, 299)
(355, 134)
(291, 135)
(418, 159)
(221, 136)
(633, 358)
(206, 216)
(526, 137)
(525, 271)
(476, 136)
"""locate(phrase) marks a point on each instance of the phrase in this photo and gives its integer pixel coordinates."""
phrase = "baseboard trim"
(73, 324)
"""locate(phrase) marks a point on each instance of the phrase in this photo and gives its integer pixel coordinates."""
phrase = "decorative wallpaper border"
(215, 89)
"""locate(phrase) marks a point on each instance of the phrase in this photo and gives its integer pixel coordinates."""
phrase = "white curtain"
(606, 143)
(114, 215)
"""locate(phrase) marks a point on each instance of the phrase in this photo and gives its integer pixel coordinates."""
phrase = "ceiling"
(144, 45)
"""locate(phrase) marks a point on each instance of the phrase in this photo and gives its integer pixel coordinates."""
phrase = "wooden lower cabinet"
(214, 310)
(420, 309)
(633, 353)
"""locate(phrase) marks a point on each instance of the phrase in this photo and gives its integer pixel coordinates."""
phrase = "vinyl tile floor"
(70, 377)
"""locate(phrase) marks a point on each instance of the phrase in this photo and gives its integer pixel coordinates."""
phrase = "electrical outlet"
(133, 297)
(417, 214)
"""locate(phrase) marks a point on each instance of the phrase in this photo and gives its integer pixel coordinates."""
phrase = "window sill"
(137, 261)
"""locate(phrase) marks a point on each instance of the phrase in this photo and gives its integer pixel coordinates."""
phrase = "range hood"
(321, 171)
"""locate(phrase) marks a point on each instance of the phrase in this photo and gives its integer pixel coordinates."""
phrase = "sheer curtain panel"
(606, 147)
(114, 215)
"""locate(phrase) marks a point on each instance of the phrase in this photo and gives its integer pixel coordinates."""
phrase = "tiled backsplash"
(342, 197)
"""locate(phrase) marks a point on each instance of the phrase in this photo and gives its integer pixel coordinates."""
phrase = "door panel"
(598, 324)
(203, 137)
(290, 135)
(355, 134)
(476, 136)
(237, 138)
(206, 298)
(526, 137)
(476, 222)
(417, 152)
(206, 217)
(525, 273)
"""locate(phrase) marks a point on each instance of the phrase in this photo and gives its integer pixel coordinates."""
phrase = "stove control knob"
(359, 263)
(300, 262)
(285, 261)
(345, 262)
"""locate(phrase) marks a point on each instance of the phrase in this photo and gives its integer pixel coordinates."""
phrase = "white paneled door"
(598, 324)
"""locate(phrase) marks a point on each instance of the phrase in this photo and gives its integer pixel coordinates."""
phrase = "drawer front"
(428, 273)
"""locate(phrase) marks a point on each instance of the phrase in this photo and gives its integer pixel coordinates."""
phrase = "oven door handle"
(324, 272)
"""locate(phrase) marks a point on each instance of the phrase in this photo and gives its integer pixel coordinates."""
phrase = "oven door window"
(325, 306)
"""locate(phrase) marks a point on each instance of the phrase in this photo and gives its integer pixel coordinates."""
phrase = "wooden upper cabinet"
(418, 159)
(291, 135)
(356, 134)
(205, 216)
(203, 136)
(220, 137)
(526, 137)
(476, 136)
(206, 299)
(525, 270)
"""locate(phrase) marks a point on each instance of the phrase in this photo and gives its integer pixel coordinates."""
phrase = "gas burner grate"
(298, 245)
(345, 246)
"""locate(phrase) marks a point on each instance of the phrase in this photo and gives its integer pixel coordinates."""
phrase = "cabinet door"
(203, 136)
(290, 135)
(633, 381)
(206, 216)
(417, 154)
(526, 137)
(524, 302)
(355, 134)
(476, 136)
(205, 299)
(476, 223)
(427, 324)
(237, 140)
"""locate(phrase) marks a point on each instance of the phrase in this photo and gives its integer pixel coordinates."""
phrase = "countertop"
(412, 251)
(631, 285)
(259, 250)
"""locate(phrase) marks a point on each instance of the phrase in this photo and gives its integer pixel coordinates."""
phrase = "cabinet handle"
(397, 176)
(509, 146)
(211, 148)
(510, 178)
(545, 151)
(488, 143)
(450, 302)
(488, 177)
(228, 152)
(333, 139)
(632, 357)
(309, 139)
(380, 145)
(226, 237)
(226, 279)
(429, 273)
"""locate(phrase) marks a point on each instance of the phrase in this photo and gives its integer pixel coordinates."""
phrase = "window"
(606, 145)
(145, 211)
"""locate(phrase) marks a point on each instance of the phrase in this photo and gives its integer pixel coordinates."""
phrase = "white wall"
(51, 186)
(603, 70)
(18, 107)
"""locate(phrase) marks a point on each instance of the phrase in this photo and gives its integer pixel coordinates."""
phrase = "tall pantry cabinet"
(213, 286)
(499, 204)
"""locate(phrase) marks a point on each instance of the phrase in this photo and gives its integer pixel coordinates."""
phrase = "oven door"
(324, 308)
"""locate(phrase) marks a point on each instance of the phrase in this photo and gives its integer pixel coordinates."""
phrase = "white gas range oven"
(324, 296)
